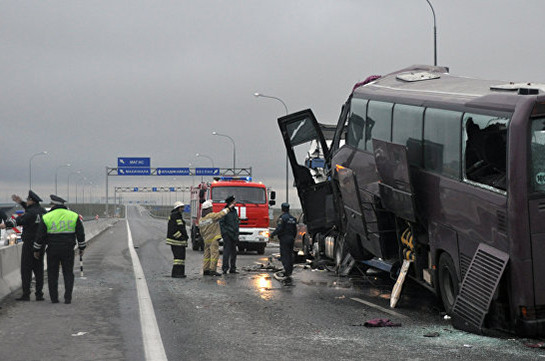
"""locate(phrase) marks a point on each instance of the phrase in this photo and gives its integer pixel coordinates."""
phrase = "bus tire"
(448, 282)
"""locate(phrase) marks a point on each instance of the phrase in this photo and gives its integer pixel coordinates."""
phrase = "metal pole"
(106, 211)
(234, 149)
(434, 34)
(30, 167)
(257, 95)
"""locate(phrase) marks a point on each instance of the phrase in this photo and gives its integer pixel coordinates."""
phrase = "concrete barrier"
(10, 256)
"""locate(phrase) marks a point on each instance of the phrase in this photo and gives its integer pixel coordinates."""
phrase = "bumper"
(253, 235)
(531, 328)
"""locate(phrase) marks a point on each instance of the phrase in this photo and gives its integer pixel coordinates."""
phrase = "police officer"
(59, 229)
(229, 232)
(286, 230)
(30, 221)
(177, 239)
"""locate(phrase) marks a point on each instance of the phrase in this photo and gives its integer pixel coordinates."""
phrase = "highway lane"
(247, 316)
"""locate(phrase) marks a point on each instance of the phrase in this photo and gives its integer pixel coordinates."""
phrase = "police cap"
(285, 206)
(56, 200)
(229, 199)
(33, 196)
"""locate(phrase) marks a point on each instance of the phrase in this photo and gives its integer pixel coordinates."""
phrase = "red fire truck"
(252, 204)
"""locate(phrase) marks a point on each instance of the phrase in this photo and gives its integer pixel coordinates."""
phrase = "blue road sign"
(133, 162)
(172, 171)
(207, 171)
(154, 189)
(133, 171)
(187, 208)
(172, 189)
(135, 189)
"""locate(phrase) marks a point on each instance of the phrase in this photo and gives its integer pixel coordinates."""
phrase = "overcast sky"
(90, 81)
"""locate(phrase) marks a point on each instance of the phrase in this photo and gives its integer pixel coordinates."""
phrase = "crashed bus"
(440, 172)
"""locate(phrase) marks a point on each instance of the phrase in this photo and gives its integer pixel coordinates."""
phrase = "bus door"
(308, 154)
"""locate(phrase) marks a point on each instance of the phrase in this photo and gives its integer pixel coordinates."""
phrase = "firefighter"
(286, 230)
(59, 229)
(229, 232)
(30, 221)
(177, 239)
(210, 231)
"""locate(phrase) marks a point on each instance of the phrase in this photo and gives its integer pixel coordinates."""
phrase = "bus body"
(252, 205)
(447, 172)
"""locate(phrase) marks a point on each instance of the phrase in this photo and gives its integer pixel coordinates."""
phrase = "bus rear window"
(537, 177)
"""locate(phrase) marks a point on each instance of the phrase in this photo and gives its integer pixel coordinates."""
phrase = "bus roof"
(421, 83)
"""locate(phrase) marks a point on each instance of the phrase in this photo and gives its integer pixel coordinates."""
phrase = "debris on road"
(432, 334)
(262, 268)
(79, 334)
(381, 322)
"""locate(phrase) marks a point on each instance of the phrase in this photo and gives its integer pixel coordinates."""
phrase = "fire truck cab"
(252, 205)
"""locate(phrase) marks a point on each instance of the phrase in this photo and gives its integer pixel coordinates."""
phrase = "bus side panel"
(537, 227)
(444, 239)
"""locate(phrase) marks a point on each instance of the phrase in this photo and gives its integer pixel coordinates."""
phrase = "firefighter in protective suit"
(286, 230)
(177, 239)
(210, 230)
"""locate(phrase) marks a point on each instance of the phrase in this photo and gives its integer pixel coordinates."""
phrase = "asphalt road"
(249, 316)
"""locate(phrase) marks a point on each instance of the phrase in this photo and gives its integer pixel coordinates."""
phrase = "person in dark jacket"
(286, 230)
(229, 232)
(30, 221)
(177, 239)
(59, 229)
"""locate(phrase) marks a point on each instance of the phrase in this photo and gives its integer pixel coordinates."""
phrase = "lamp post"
(30, 167)
(82, 180)
(205, 156)
(234, 148)
(68, 185)
(259, 95)
(57, 174)
(434, 35)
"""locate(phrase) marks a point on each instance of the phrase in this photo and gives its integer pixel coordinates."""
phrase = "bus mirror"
(272, 202)
(273, 195)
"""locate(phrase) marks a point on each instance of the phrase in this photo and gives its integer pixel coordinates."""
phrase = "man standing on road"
(59, 229)
(286, 230)
(229, 232)
(177, 239)
(211, 233)
(30, 221)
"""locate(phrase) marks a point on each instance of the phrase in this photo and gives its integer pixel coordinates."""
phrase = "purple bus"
(445, 172)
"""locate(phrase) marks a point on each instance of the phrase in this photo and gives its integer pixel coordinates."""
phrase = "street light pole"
(30, 167)
(234, 148)
(57, 174)
(205, 156)
(257, 95)
(68, 185)
(434, 35)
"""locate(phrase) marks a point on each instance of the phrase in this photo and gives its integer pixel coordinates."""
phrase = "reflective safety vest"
(60, 221)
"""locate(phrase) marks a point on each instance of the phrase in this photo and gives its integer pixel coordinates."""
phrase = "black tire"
(307, 247)
(340, 253)
(261, 249)
(448, 282)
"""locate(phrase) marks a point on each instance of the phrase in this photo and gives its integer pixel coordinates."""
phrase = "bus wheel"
(340, 253)
(448, 282)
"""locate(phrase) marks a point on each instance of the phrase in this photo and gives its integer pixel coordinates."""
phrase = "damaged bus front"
(446, 173)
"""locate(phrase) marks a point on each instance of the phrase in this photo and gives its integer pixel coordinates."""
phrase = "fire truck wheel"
(448, 282)
(261, 249)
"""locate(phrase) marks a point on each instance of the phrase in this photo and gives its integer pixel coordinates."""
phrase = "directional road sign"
(207, 171)
(133, 171)
(173, 171)
(133, 162)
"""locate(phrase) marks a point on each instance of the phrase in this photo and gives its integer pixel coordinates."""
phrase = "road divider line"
(393, 313)
(153, 344)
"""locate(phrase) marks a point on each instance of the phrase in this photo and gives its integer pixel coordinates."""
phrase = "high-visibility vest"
(60, 221)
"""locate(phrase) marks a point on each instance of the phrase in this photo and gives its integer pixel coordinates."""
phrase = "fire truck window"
(242, 194)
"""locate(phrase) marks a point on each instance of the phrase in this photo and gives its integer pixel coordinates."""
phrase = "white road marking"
(393, 313)
(153, 344)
